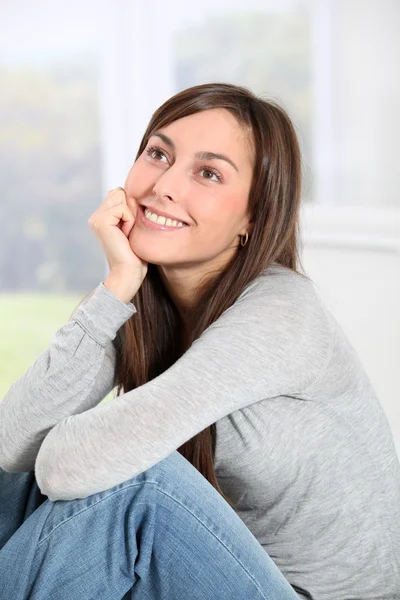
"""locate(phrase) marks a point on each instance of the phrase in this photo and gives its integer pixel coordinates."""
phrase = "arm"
(74, 374)
(273, 341)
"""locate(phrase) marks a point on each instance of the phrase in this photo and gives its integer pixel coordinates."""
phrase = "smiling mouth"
(160, 214)
(155, 226)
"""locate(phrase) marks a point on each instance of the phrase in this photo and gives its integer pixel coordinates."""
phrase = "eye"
(213, 172)
(156, 153)
(152, 151)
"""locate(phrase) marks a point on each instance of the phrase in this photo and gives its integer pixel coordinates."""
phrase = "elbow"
(50, 473)
(18, 453)
(46, 476)
(48, 482)
(45, 482)
(51, 486)
(56, 472)
(7, 466)
(47, 467)
(11, 464)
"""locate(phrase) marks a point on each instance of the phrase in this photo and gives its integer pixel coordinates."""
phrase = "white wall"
(357, 271)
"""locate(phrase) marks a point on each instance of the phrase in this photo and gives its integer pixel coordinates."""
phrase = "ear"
(248, 227)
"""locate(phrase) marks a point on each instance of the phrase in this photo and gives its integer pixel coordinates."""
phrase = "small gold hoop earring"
(247, 237)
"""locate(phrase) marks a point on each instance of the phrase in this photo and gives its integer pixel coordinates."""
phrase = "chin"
(146, 252)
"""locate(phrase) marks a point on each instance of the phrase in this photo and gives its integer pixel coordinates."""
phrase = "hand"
(112, 223)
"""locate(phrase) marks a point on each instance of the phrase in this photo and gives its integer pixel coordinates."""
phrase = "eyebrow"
(200, 155)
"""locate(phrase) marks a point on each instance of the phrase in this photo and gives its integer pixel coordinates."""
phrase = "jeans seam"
(85, 508)
(174, 500)
(216, 537)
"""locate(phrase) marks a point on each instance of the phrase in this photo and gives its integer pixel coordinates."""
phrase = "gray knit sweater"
(303, 445)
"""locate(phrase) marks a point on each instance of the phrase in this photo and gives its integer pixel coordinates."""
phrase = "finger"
(133, 205)
(114, 197)
(111, 216)
(118, 189)
(127, 227)
(127, 219)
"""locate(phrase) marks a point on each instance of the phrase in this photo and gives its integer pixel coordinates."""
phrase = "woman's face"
(208, 193)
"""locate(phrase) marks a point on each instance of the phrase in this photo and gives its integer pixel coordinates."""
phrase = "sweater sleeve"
(272, 341)
(73, 375)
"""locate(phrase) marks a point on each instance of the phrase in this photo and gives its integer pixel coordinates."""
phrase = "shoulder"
(281, 286)
(280, 302)
(277, 327)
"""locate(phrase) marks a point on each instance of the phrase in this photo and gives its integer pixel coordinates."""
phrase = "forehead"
(212, 130)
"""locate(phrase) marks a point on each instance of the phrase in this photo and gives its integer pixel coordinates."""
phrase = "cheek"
(139, 180)
(223, 210)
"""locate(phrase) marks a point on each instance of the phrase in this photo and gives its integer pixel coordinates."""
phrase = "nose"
(169, 185)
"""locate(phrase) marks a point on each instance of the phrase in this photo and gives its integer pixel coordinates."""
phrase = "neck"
(182, 282)
(181, 286)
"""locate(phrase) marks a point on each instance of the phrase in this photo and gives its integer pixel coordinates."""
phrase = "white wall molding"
(350, 227)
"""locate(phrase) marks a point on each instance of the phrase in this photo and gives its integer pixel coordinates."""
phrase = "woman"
(248, 456)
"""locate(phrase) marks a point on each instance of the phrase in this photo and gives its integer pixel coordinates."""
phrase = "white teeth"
(154, 218)
(161, 220)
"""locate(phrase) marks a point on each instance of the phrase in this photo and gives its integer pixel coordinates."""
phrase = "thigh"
(203, 549)
(164, 534)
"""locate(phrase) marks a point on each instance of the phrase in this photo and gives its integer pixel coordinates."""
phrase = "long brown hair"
(148, 343)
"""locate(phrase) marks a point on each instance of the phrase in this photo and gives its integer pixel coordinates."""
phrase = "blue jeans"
(165, 534)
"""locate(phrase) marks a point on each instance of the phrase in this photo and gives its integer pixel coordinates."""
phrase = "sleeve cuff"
(103, 314)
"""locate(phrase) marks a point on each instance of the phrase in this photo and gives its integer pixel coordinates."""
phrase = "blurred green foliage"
(49, 177)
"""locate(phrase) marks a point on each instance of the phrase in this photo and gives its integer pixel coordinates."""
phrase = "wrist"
(120, 289)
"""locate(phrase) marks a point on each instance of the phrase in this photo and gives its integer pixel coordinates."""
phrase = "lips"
(151, 225)
(163, 214)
